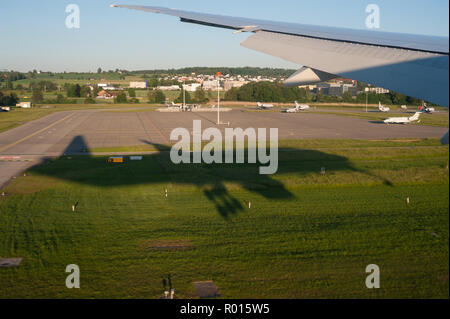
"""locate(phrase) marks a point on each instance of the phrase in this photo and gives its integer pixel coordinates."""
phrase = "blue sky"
(34, 35)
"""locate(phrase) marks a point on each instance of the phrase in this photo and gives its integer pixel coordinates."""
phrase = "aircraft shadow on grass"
(212, 179)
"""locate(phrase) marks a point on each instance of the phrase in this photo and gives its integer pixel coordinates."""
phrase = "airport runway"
(28, 144)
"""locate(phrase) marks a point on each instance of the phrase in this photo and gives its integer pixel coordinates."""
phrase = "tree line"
(250, 71)
(11, 76)
(268, 92)
(10, 99)
(276, 92)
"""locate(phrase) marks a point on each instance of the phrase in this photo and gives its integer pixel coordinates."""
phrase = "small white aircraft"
(382, 108)
(176, 104)
(180, 106)
(264, 106)
(172, 104)
(291, 110)
(302, 107)
(298, 107)
(403, 120)
(426, 109)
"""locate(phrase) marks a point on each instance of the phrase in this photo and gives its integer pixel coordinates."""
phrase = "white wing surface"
(413, 65)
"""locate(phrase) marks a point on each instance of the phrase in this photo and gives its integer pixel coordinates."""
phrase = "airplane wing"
(413, 65)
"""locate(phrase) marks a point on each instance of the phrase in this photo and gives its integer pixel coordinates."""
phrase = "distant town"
(200, 85)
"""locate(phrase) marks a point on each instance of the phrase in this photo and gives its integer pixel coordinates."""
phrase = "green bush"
(121, 98)
(89, 100)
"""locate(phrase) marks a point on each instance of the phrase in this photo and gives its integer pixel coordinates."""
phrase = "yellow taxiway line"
(35, 133)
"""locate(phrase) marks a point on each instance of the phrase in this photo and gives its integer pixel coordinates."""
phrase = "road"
(55, 134)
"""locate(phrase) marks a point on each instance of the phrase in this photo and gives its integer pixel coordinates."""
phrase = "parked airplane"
(186, 107)
(302, 107)
(403, 120)
(383, 108)
(172, 104)
(291, 110)
(264, 106)
(414, 65)
(426, 109)
(297, 108)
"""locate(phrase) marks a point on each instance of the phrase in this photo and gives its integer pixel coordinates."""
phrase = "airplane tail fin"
(415, 117)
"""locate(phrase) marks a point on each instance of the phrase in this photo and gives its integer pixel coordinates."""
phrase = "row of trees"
(11, 76)
(276, 92)
(156, 97)
(267, 92)
(43, 85)
(199, 97)
(76, 91)
(250, 71)
(10, 99)
(121, 98)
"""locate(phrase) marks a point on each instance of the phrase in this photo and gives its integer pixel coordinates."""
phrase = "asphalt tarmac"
(51, 136)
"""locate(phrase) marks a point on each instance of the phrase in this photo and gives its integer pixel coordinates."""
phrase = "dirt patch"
(10, 262)
(175, 244)
(206, 289)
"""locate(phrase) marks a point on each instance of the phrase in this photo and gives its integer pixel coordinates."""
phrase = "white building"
(228, 85)
(191, 87)
(138, 85)
(379, 90)
(210, 85)
(107, 87)
(169, 88)
(24, 105)
(309, 87)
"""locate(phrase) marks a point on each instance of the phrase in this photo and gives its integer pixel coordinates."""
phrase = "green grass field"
(306, 235)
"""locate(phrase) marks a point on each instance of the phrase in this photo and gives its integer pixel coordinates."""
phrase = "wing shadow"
(214, 180)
